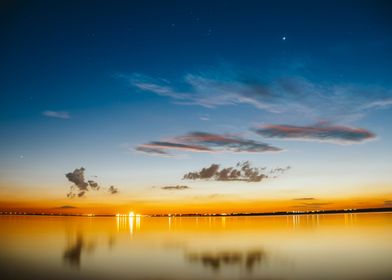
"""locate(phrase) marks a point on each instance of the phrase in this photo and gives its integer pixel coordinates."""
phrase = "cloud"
(94, 185)
(151, 151)
(77, 177)
(80, 186)
(177, 146)
(322, 132)
(204, 117)
(304, 198)
(66, 207)
(279, 95)
(178, 187)
(57, 114)
(112, 190)
(206, 142)
(243, 171)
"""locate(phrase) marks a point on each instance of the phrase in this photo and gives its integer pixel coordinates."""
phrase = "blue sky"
(118, 88)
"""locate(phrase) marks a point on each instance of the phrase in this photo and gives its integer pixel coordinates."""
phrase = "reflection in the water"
(128, 223)
(73, 251)
(216, 260)
(269, 247)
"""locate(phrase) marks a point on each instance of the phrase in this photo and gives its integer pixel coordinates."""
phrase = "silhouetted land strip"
(278, 213)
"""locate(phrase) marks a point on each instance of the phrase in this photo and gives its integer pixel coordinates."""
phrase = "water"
(341, 246)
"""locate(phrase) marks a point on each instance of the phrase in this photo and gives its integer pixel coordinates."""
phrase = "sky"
(195, 106)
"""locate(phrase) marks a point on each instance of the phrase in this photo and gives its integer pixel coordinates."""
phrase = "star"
(284, 38)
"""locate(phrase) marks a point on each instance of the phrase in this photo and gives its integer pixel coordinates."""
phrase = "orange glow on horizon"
(134, 209)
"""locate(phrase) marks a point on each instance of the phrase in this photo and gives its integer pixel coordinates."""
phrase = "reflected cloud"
(217, 260)
(72, 254)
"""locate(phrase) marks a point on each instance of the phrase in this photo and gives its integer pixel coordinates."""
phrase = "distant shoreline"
(278, 213)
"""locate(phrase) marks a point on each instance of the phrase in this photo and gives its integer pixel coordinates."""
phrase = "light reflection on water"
(341, 246)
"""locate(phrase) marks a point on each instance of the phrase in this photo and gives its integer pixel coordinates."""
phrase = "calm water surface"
(341, 246)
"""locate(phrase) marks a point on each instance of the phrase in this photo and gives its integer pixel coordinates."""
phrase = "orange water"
(341, 246)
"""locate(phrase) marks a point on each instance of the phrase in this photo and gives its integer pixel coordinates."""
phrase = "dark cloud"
(304, 198)
(152, 151)
(320, 132)
(206, 142)
(112, 190)
(94, 185)
(66, 207)
(243, 171)
(295, 95)
(178, 187)
(80, 187)
(77, 177)
(82, 193)
(177, 146)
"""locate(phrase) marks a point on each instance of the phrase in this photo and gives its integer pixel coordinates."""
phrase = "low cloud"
(57, 114)
(304, 198)
(206, 142)
(178, 187)
(243, 171)
(112, 190)
(66, 207)
(322, 132)
(80, 186)
(94, 185)
(77, 177)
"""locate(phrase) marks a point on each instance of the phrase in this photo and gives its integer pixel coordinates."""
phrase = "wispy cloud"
(243, 171)
(178, 187)
(204, 117)
(304, 198)
(145, 148)
(206, 142)
(57, 114)
(320, 132)
(281, 95)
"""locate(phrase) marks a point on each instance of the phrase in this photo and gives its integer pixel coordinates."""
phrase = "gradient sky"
(140, 93)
